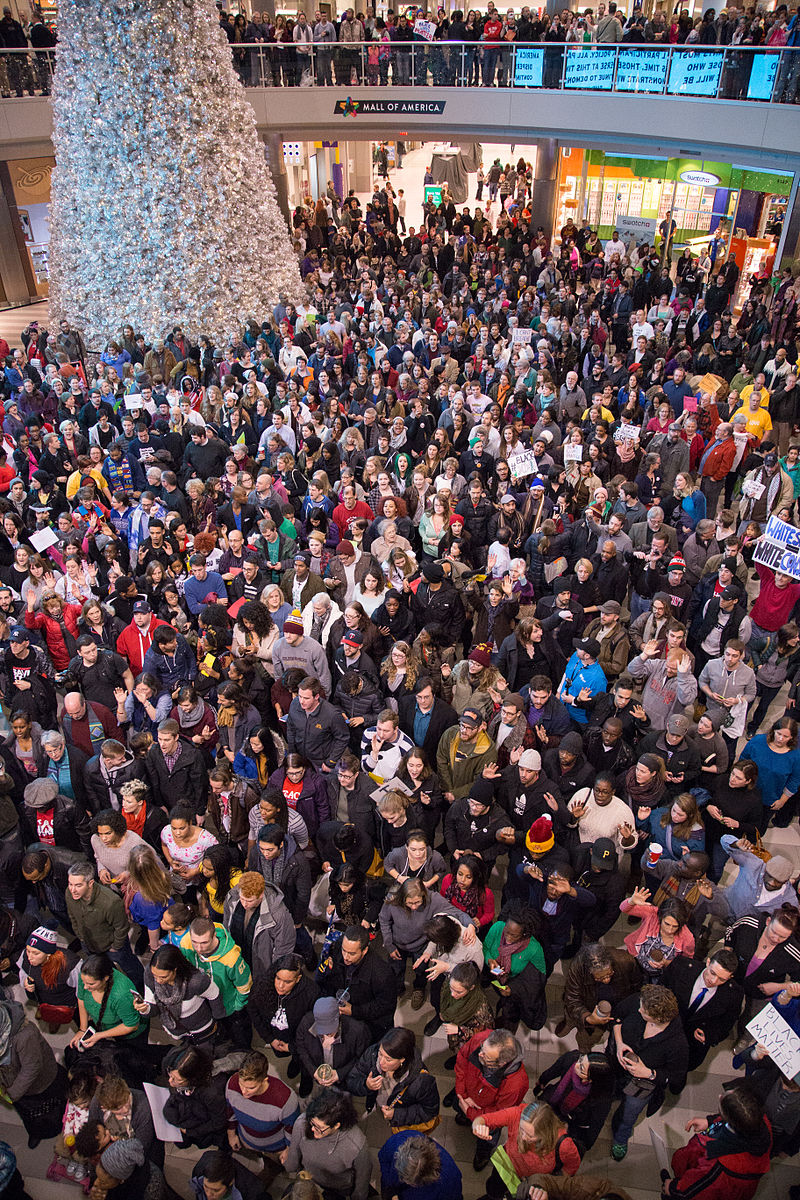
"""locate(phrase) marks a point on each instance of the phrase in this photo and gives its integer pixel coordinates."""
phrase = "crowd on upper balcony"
(296, 46)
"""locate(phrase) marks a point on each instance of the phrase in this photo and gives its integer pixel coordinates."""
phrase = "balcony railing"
(745, 73)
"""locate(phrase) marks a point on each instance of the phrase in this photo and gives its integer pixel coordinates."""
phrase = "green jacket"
(532, 953)
(459, 765)
(226, 967)
(100, 921)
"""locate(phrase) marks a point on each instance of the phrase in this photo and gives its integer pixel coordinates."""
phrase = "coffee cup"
(654, 852)
(602, 1010)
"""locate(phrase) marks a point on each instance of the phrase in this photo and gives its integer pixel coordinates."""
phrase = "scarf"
(459, 1012)
(193, 717)
(60, 772)
(506, 949)
(570, 1093)
(467, 899)
(96, 732)
(120, 476)
(646, 795)
(226, 715)
(135, 821)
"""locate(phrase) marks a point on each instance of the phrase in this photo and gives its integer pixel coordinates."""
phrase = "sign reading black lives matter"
(779, 548)
(351, 108)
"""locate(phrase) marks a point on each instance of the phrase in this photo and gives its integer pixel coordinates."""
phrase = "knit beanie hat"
(480, 655)
(676, 563)
(43, 939)
(539, 838)
(294, 623)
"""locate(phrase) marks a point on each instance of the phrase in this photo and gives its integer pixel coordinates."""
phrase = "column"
(545, 185)
(277, 166)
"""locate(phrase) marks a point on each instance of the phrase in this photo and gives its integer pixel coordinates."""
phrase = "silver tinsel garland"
(163, 210)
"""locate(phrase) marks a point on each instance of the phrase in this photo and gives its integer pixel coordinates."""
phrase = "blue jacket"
(742, 895)
(171, 671)
(673, 845)
(676, 394)
(577, 677)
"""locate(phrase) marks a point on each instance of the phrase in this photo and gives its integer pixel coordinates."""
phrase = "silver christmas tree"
(163, 209)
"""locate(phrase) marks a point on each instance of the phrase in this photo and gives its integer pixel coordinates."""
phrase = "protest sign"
(779, 1039)
(528, 67)
(521, 464)
(590, 68)
(779, 546)
(641, 70)
(573, 454)
(627, 433)
(425, 29)
(695, 72)
(521, 336)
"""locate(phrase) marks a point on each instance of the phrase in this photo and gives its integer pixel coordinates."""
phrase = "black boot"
(432, 1025)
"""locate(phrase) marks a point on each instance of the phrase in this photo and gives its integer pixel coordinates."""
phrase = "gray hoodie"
(274, 935)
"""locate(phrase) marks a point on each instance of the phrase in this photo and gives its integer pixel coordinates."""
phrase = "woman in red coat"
(727, 1157)
(538, 1144)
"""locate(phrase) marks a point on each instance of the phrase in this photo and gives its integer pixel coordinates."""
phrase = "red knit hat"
(480, 655)
(539, 838)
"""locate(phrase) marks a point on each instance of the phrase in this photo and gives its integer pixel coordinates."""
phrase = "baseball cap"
(729, 593)
(353, 637)
(471, 717)
(326, 1015)
(19, 634)
(588, 645)
(604, 854)
(678, 725)
(770, 460)
(141, 606)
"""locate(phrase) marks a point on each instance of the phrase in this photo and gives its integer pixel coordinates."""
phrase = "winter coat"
(493, 1089)
(372, 985)
(60, 635)
(313, 803)
(274, 934)
(322, 736)
(186, 784)
(415, 1097)
(103, 788)
(352, 1040)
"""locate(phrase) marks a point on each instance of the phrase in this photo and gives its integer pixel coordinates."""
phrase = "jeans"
(639, 605)
(765, 697)
(127, 962)
(626, 1115)
(489, 61)
(398, 965)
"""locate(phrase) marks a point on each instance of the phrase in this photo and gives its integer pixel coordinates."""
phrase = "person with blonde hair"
(148, 891)
(537, 1144)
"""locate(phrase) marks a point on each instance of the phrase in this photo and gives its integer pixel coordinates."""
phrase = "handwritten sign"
(695, 72)
(573, 454)
(780, 1040)
(528, 67)
(425, 29)
(522, 463)
(521, 337)
(590, 68)
(627, 433)
(779, 547)
(642, 70)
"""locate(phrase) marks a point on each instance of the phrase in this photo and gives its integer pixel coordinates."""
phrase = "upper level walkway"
(725, 103)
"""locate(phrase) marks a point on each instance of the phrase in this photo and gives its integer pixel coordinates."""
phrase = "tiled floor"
(638, 1174)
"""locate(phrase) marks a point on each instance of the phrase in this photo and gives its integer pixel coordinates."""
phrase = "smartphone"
(88, 1033)
(136, 995)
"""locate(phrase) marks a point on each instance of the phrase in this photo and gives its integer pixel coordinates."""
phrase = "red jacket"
(57, 646)
(727, 1177)
(720, 460)
(471, 1081)
(133, 643)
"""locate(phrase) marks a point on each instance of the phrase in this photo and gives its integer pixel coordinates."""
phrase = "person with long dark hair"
(186, 999)
(196, 1101)
(391, 1077)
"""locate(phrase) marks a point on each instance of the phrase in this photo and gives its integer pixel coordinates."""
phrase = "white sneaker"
(79, 1172)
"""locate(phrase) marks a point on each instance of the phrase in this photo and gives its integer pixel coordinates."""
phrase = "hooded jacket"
(458, 773)
(274, 932)
(289, 874)
(352, 1040)
(720, 1164)
(103, 785)
(70, 824)
(27, 1064)
(133, 643)
(491, 1089)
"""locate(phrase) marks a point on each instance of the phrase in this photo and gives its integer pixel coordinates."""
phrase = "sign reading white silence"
(528, 67)
(695, 72)
(642, 70)
(779, 548)
(589, 68)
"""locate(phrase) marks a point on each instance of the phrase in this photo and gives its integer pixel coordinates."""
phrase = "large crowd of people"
(415, 643)
(467, 48)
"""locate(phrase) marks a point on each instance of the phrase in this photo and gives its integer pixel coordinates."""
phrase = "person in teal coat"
(514, 959)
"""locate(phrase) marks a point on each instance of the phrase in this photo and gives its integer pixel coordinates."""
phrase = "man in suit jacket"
(709, 999)
(429, 714)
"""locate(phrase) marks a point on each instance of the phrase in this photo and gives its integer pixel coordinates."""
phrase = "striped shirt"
(263, 1122)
